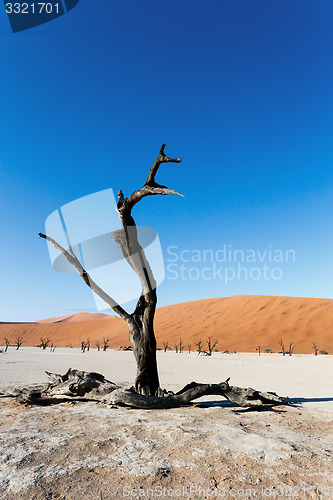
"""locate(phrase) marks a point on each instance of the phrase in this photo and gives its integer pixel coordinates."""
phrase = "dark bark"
(211, 345)
(281, 344)
(7, 343)
(77, 385)
(44, 343)
(19, 341)
(315, 347)
(199, 345)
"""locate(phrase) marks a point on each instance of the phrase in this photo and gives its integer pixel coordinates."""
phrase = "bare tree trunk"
(141, 321)
(291, 348)
(281, 344)
(211, 345)
(105, 344)
(199, 346)
(143, 342)
(165, 346)
(315, 347)
(7, 343)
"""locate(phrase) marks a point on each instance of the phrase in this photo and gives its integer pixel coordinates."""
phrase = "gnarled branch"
(161, 158)
(78, 385)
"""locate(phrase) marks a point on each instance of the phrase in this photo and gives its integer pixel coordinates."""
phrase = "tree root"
(78, 385)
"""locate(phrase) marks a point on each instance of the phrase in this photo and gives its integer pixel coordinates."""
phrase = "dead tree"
(315, 347)
(165, 346)
(146, 392)
(97, 344)
(199, 345)
(176, 347)
(18, 341)
(44, 343)
(83, 345)
(105, 343)
(181, 345)
(291, 348)
(141, 321)
(281, 344)
(211, 345)
(7, 344)
(189, 348)
(88, 344)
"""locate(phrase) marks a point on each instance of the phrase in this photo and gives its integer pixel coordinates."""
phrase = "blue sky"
(241, 90)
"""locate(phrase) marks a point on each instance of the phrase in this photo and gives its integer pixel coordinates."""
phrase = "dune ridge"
(239, 322)
(77, 317)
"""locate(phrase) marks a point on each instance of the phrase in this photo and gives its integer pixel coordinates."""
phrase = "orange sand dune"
(81, 316)
(239, 323)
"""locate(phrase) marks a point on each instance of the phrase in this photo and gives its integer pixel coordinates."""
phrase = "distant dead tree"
(88, 344)
(281, 344)
(97, 344)
(181, 345)
(199, 345)
(189, 348)
(18, 341)
(44, 342)
(315, 347)
(258, 349)
(165, 346)
(126, 348)
(176, 347)
(7, 343)
(291, 348)
(211, 345)
(105, 343)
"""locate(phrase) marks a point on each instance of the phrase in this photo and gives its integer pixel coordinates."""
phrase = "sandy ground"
(90, 451)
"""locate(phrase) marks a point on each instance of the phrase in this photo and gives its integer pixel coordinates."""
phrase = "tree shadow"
(298, 401)
(238, 409)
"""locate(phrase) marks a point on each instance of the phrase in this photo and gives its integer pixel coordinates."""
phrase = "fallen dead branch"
(78, 385)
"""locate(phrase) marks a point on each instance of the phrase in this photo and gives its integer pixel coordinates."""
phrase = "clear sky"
(241, 90)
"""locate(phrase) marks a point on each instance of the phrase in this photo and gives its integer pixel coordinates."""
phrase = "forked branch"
(161, 158)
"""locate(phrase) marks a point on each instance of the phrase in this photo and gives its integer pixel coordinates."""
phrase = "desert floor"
(90, 451)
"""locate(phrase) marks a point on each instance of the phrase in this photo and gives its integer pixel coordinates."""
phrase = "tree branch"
(78, 385)
(150, 187)
(74, 261)
(161, 158)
